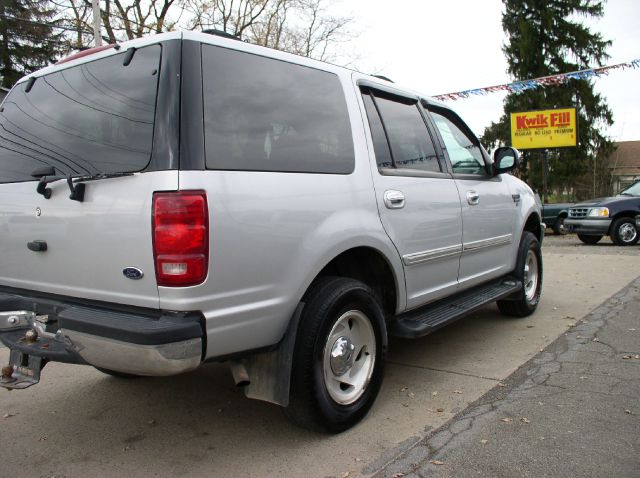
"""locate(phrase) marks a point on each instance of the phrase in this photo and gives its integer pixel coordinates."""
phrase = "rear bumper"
(134, 341)
(588, 226)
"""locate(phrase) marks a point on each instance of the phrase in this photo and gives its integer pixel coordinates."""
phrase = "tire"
(344, 316)
(624, 231)
(591, 240)
(529, 272)
(114, 373)
(558, 227)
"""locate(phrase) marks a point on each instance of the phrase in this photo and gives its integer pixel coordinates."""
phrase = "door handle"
(37, 246)
(473, 198)
(393, 199)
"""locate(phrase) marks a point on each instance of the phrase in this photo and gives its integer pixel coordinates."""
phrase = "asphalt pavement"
(79, 422)
(571, 411)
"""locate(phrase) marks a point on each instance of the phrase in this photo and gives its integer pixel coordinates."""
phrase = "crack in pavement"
(422, 367)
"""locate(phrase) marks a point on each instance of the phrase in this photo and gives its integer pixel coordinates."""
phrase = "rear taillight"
(180, 238)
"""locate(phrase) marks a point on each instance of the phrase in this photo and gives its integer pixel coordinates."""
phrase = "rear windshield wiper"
(99, 176)
(76, 185)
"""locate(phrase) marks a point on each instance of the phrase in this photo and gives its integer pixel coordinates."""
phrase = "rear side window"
(94, 117)
(263, 114)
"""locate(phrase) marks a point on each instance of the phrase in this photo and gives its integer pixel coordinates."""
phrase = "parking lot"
(80, 422)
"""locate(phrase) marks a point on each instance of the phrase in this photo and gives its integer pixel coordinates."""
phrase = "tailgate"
(90, 121)
(89, 243)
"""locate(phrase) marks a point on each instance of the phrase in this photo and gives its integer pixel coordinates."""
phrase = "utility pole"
(96, 22)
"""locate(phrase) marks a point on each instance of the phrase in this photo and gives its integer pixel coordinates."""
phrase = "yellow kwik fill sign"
(544, 129)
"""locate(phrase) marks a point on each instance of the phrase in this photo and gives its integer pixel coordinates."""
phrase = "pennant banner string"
(552, 80)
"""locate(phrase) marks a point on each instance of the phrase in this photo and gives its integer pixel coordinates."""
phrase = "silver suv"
(187, 198)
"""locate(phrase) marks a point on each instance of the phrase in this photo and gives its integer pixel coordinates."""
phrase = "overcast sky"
(453, 45)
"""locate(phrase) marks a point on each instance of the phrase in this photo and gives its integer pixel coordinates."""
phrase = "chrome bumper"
(35, 339)
(588, 226)
(135, 359)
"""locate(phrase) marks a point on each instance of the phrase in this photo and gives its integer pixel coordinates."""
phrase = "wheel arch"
(625, 213)
(533, 225)
(370, 266)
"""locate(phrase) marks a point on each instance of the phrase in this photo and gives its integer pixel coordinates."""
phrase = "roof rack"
(221, 33)
(383, 78)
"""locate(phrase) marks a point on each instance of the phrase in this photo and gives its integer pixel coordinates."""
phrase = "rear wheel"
(339, 356)
(591, 240)
(624, 231)
(529, 272)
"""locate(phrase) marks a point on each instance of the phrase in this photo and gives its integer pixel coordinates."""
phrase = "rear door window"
(379, 137)
(263, 114)
(91, 118)
(401, 139)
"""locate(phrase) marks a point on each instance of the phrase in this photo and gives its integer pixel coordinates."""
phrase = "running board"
(427, 319)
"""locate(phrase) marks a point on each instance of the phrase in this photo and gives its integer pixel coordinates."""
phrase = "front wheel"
(624, 231)
(559, 228)
(591, 240)
(529, 272)
(339, 356)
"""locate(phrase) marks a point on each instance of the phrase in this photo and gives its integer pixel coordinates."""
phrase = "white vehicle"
(187, 198)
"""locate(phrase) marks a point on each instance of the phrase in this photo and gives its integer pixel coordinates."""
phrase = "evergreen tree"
(28, 40)
(546, 37)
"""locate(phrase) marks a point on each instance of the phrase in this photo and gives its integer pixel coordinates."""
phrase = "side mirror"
(505, 159)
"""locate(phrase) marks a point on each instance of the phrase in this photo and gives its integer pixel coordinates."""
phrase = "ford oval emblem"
(133, 273)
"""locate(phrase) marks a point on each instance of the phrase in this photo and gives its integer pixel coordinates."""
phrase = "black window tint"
(409, 138)
(263, 114)
(464, 151)
(380, 145)
(95, 117)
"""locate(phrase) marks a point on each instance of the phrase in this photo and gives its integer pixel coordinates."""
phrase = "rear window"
(95, 117)
(263, 114)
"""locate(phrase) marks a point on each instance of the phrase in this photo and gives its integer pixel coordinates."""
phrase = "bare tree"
(319, 31)
(135, 18)
(303, 27)
(270, 31)
(80, 21)
(74, 17)
(231, 16)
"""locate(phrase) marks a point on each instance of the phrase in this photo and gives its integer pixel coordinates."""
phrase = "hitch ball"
(31, 336)
(7, 372)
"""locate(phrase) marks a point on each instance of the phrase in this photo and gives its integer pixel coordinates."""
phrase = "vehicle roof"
(217, 40)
